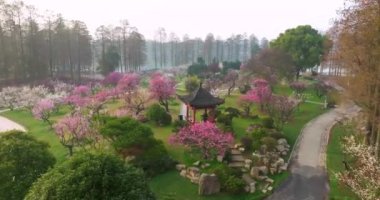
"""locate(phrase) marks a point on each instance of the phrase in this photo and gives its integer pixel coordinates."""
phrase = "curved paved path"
(308, 179)
(7, 125)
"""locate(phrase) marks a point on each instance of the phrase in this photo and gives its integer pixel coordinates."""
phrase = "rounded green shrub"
(270, 142)
(157, 114)
(259, 133)
(267, 122)
(228, 178)
(234, 185)
(276, 134)
(178, 124)
(233, 112)
(247, 143)
(154, 160)
(224, 119)
(192, 83)
(23, 160)
(91, 176)
(244, 89)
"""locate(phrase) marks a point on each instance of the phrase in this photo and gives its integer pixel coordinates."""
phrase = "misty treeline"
(36, 45)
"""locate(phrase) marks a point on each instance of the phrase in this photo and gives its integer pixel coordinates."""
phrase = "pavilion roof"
(201, 98)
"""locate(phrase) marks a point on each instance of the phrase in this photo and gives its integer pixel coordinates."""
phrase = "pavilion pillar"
(205, 119)
(212, 116)
(194, 113)
(187, 112)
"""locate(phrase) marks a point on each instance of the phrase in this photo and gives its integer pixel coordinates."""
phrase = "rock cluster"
(282, 147)
(208, 183)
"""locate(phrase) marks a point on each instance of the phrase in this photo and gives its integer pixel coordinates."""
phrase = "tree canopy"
(132, 138)
(126, 133)
(110, 61)
(304, 44)
(23, 160)
(91, 176)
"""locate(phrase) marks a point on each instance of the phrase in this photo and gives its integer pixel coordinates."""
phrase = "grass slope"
(335, 156)
(170, 185)
(40, 130)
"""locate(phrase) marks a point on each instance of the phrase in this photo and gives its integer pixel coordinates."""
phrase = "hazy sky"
(265, 18)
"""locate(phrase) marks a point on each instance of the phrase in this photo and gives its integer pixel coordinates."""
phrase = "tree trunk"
(165, 103)
(230, 89)
(298, 74)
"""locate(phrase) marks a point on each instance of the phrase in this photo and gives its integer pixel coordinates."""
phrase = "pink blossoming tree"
(281, 109)
(79, 96)
(205, 137)
(112, 78)
(43, 109)
(128, 85)
(162, 89)
(260, 94)
(129, 82)
(299, 88)
(82, 90)
(72, 131)
(95, 102)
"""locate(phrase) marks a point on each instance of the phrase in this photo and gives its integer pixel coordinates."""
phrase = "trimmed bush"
(244, 89)
(23, 159)
(247, 143)
(192, 83)
(178, 124)
(270, 142)
(234, 185)
(224, 119)
(233, 112)
(267, 122)
(258, 133)
(157, 114)
(228, 178)
(332, 98)
(276, 135)
(154, 160)
(132, 138)
(91, 176)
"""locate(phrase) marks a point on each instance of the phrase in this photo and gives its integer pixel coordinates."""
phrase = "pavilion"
(200, 99)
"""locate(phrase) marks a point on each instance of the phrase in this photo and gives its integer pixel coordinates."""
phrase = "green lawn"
(335, 156)
(170, 185)
(40, 130)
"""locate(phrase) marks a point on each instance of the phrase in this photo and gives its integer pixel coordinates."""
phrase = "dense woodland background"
(36, 45)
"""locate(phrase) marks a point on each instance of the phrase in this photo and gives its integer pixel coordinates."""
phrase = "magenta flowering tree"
(205, 137)
(79, 96)
(260, 82)
(162, 89)
(129, 82)
(260, 94)
(95, 102)
(76, 101)
(299, 88)
(112, 78)
(72, 131)
(82, 90)
(128, 85)
(43, 109)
